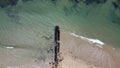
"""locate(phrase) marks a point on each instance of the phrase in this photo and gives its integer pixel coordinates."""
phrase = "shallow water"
(28, 21)
(31, 24)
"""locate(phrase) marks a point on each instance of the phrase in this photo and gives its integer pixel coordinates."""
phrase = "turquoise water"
(28, 23)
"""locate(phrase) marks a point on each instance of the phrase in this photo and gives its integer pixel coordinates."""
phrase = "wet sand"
(79, 53)
(76, 53)
(20, 58)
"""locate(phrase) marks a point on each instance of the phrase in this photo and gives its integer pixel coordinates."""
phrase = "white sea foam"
(9, 47)
(96, 41)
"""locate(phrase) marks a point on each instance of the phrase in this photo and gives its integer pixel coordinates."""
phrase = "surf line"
(57, 46)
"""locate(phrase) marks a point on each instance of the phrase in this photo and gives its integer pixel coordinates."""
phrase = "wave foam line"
(96, 41)
(9, 47)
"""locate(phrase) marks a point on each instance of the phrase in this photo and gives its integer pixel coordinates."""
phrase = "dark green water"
(28, 23)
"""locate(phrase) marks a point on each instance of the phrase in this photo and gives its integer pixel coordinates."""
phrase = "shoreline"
(76, 53)
(88, 51)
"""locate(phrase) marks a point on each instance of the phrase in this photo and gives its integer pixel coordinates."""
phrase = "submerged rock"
(26, 0)
(115, 14)
(54, 1)
(116, 4)
(88, 2)
(5, 3)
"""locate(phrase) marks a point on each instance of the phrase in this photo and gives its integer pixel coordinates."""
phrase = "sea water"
(31, 24)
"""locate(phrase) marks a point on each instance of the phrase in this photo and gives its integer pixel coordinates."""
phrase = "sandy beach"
(79, 53)
(75, 53)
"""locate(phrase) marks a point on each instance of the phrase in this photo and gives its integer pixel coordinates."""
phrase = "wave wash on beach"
(81, 52)
(75, 51)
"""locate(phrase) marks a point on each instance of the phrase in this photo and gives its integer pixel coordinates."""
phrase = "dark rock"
(116, 4)
(54, 1)
(75, 1)
(26, 0)
(47, 37)
(5, 3)
(13, 15)
(88, 2)
(13, 2)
